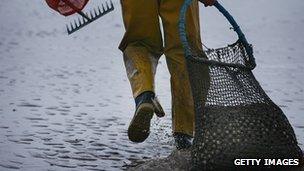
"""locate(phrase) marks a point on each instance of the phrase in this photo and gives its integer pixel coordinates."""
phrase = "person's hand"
(208, 2)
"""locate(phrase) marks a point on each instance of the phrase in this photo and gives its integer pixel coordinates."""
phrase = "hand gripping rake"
(87, 18)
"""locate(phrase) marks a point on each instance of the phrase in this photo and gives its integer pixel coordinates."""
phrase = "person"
(142, 46)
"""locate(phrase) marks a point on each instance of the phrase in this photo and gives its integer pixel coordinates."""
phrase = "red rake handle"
(76, 9)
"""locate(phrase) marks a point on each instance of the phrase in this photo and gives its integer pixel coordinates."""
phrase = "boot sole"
(139, 128)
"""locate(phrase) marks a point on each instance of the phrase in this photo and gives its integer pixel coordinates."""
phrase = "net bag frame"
(234, 117)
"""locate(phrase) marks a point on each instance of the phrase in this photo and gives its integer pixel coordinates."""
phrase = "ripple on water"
(300, 126)
(9, 166)
(28, 105)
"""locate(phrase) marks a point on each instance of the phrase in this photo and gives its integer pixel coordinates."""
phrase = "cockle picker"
(234, 117)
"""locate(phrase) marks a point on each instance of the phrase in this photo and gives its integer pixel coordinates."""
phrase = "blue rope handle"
(237, 29)
(182, 27)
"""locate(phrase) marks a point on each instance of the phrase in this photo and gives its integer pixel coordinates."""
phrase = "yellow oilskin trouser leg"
(142, 46)
(182, 101)
(142, 43)
(141, 67)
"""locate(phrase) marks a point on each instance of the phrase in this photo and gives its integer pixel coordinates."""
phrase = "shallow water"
(47, 125)
(65, 102)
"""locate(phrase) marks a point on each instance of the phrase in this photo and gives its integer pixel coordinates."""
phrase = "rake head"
(89, 18)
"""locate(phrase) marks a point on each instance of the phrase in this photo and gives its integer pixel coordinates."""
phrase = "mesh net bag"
(235, 119)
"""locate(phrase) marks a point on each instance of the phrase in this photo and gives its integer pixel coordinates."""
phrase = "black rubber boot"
(182, 141)
(139, 128)
(145, 97)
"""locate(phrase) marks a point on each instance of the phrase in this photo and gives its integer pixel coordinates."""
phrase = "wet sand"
(65, 101)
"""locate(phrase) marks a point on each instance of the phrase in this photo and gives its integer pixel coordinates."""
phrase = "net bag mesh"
(234, 117)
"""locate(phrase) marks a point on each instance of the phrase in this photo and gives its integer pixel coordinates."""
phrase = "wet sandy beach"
(65, 101)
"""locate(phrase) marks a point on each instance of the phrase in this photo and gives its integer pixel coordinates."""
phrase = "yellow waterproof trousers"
(142, 46)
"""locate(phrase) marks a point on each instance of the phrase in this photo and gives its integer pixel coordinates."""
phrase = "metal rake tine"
(79, 21)
(103, 8)
(83, 20)
(99, 10)
(75, 22)
(72, 27)
(112, 5)
(95, 12)
(107, 5)
(67, 28)
(91, 15)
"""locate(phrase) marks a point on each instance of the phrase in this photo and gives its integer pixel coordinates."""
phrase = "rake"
(87, 18)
